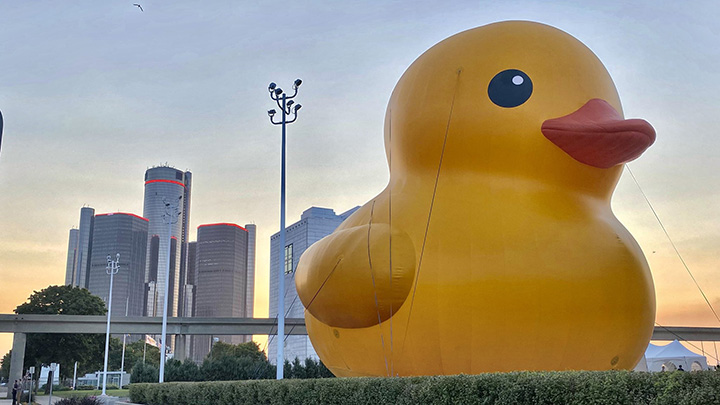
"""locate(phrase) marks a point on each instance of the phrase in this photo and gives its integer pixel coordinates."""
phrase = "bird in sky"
(138, 6)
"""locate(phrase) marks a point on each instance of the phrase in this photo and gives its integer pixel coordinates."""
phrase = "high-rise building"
(190, 301)
(127, 235)
(221, 278)
(166, 185)
(72, 254)
(191, 279)
(79, 250)
(315, 223)
(250, 295)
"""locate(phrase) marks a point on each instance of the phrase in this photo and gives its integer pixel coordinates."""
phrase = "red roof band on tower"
(224, 223)
(121, 213)
(164, 181)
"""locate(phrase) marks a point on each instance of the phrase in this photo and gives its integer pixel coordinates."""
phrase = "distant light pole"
(112, 268)
(74, 376)
(172, 213)
(286, 106)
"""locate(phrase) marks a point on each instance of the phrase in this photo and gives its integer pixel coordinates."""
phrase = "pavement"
(43, 400)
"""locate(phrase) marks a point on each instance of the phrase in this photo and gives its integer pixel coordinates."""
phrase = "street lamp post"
(31, 371)
(112, 268)
(287, 108)
(125, 335)
(172, 213)
(53, 367)
(74, 376)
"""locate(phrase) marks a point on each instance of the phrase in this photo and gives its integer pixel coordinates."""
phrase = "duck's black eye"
(510, 88)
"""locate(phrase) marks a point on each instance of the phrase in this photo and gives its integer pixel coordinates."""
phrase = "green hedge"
(551, 388)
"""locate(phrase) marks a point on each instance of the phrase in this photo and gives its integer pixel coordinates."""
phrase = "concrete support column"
(180, 347)
(16, 360)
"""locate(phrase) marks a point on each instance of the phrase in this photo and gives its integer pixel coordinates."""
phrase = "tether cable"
(687, 341)
(673, 244)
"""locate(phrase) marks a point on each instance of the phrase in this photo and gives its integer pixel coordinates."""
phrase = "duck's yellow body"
(494, 247)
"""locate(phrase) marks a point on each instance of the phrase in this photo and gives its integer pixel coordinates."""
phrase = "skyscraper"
(250, 295)
(127, 235)
(166, 185)
(190, 300)
(191, 280)
(222, 278)
(79, 250)
(72, 254)
(315, 223)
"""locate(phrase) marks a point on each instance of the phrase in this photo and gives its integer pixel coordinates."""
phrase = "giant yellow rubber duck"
(493, 247)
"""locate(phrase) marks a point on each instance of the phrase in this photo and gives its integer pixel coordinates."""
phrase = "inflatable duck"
(493, 247)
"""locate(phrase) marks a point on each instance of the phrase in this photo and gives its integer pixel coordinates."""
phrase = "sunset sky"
(93, 93)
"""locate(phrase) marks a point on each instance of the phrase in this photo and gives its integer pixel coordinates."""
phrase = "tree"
(5, 366)
(323, 371)
(63, 300)
(244, 361)
(175, 370)
(287, 369)
(249, 349)
(298, 370)
(144, 373)
(65, 349)
(310, 368)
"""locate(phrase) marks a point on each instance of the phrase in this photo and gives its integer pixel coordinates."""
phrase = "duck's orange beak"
(598, 136)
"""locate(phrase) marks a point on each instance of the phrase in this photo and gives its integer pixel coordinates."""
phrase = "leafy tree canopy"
(143, 372)
(65, 349)
(249, 350)
(244, 361)
(310, 368)
(63, 300)
(187, 370)
(5, 366)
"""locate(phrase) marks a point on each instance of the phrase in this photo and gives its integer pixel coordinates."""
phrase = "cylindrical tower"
(125, 234)
(221, 271)
(163, 185)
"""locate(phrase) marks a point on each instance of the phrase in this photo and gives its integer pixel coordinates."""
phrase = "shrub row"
(79, 401)
(551, 388)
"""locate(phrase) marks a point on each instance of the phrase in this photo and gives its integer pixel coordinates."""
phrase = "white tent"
(671, 356)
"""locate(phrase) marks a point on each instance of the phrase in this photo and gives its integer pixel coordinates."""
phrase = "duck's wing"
(358, 276)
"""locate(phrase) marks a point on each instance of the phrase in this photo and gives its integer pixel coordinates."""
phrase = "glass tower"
(79, 250)
(72, 257)
(250, 295)
(166, 185)
(127, 235)
(221, 279)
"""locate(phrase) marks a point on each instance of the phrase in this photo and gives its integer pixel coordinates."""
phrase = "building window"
(289, 259)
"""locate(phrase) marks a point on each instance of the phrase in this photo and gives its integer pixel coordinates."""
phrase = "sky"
(93, 93)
